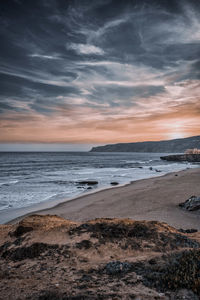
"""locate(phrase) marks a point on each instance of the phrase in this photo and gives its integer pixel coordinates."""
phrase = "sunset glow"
(99, 72)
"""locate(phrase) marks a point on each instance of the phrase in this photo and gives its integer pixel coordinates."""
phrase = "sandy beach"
(133, 255)
(148, 199)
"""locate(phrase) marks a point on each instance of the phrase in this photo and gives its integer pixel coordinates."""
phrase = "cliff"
(168, 146)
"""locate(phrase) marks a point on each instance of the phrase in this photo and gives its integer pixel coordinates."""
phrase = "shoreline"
(161, 196)
(9, 215)
(51, 204)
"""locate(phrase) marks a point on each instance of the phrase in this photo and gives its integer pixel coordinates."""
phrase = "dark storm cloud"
(87, 53)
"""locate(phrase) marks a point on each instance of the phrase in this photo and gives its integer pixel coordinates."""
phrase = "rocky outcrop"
(87, 182)
(114, 183)
(177, 157)
(182, 157)
(191, 204)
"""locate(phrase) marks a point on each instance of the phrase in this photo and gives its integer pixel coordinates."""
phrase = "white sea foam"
(9, 182)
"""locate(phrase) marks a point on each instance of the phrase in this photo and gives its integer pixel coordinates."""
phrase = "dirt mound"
(47, 257)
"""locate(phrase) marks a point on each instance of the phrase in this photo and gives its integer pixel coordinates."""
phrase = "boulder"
(191, 204)
(114, 183)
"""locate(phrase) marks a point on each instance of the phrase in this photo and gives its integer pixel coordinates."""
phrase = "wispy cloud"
(94, 35)
(44, 56)
(85, 49)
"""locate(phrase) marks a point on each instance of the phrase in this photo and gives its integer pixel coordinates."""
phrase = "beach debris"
(114, 183)
(191, 204)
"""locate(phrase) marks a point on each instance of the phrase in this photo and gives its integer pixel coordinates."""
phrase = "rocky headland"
(166, 146)
(48, 257)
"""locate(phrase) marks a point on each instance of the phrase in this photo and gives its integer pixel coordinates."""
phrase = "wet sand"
(147, 199)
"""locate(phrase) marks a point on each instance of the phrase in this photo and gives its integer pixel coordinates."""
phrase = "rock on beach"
(191, 204)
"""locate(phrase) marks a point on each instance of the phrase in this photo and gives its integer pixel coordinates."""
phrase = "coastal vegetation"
(48, 257)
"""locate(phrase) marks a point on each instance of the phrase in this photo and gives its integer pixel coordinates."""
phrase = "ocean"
(29, 178)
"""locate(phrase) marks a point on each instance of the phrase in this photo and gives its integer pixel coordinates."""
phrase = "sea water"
(29, 178)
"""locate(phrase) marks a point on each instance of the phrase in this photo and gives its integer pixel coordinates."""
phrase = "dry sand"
(148, 199)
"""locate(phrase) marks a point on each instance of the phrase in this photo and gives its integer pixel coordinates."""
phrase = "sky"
(78, 73)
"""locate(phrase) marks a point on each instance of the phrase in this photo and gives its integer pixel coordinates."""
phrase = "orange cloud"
(87, 125)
